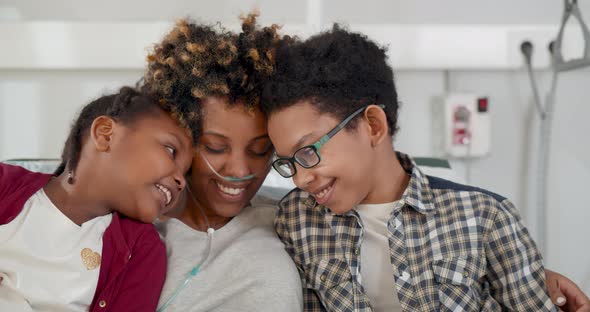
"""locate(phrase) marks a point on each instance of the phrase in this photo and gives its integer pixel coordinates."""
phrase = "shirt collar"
(418, 193)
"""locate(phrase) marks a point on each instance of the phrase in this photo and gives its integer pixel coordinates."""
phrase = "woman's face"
(235, 142)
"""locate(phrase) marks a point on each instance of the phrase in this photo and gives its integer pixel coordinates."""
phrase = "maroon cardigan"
(133, 264)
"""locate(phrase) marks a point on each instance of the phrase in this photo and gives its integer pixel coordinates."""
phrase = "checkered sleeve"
(515, 269)
(311, 301)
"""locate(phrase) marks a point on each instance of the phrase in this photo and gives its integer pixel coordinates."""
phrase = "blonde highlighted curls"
(195, 61)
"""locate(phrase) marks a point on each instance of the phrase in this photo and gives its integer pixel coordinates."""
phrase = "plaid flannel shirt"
(452, 247)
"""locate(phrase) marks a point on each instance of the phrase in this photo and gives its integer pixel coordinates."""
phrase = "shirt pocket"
(331, 280)
(458, 282)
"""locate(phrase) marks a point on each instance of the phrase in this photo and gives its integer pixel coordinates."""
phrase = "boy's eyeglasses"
(309, 156)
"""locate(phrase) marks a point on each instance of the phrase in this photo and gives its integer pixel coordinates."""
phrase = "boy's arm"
(311, 301)
(145, 276)
(515, 269)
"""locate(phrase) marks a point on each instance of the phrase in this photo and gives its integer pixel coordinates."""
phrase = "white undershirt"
(376, 267)
(41, 264)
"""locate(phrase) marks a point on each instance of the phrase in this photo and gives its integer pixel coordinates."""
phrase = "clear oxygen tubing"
(197, 268)
(232, 178)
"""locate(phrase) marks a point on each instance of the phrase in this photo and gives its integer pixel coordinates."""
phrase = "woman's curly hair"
(196, 61)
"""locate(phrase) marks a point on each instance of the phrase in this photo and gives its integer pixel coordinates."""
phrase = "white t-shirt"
(247, 269)
(48, 262)
(376, 268)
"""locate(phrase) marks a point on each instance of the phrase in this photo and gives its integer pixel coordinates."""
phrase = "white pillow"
(36, 165)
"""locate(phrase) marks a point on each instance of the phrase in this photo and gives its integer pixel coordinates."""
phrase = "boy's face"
(342, 179)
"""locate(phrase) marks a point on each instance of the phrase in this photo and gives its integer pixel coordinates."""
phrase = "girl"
(81, 239)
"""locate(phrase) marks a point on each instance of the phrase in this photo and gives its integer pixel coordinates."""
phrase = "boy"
(366, 228)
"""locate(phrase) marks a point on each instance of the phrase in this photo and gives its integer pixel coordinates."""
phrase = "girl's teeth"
(166, 192)
(230, 190)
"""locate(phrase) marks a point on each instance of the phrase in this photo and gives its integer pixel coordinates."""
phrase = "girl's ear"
(101, 132)
(377, 121)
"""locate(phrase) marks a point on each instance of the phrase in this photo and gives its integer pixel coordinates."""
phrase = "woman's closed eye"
(215, 150)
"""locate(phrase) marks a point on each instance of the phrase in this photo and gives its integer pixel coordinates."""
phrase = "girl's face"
(342, 178)
(236, 143)
(149, 158)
